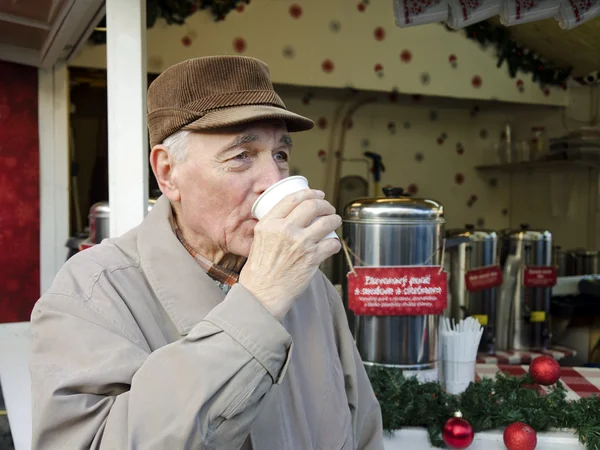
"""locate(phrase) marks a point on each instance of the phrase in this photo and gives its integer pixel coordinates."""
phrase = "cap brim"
(239, 115)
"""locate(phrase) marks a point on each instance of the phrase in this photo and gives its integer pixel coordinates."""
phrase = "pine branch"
(490, 404)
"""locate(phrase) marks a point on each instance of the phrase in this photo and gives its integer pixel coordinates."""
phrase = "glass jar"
(539, 143)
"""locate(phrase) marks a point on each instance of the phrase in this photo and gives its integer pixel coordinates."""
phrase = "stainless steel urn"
(477, 255)
(99, 219)
(524, 322)
(395, 230)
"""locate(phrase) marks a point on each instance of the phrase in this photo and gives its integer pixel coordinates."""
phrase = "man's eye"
(281, 156)
(242, 156)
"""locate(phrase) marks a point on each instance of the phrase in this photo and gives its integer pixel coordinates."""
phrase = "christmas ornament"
(520, 436)
(544, 370)
(458, 432)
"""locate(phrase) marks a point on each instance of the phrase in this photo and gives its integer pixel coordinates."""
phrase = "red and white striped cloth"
(578, 381)
(524, 357)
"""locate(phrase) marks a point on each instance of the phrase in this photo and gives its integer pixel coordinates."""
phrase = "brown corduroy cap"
(215, 92)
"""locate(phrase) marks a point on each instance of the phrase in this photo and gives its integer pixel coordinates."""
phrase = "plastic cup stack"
(523, 11)
(459, 344)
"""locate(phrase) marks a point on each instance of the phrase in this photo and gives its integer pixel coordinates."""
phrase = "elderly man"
(203, 328)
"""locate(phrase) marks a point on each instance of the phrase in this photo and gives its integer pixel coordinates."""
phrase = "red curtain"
(19, 192)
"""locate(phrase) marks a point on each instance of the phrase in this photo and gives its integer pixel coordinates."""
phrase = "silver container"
(477, 253)
(395, 230)
(560, 260)
(583, 262)
(525, 330)
(99, 219)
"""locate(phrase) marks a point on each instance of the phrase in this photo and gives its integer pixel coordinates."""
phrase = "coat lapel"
(183, 288)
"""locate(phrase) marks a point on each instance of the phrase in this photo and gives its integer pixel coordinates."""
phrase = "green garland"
(517, 58)
(175, 12)
(490, 404)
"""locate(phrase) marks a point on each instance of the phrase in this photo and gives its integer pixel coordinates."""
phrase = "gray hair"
(177, 145)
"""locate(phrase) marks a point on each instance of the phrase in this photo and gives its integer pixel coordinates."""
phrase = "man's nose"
(269, 175)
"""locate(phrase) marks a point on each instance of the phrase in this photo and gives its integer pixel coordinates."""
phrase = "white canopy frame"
(127, 136)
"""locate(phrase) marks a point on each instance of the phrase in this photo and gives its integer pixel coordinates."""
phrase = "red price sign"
(543, 276)
(85, 245)
(484, 278)
(397, 291)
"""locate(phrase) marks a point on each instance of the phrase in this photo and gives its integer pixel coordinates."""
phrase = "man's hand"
(287, 249)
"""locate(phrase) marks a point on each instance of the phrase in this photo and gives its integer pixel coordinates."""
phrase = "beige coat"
(135, 347)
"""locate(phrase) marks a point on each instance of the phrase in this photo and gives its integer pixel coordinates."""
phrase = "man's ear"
(164, 171)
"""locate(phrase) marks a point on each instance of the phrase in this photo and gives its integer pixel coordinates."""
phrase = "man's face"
(222, 176)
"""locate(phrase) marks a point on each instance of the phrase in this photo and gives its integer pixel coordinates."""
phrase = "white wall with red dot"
(443, 104)
(339, 43)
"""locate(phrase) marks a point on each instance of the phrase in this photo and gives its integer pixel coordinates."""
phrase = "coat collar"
(185, 291)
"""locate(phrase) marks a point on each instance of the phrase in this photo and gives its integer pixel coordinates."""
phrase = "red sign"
(543, 276)
(484, 278)
(397, 291)
(85, 245)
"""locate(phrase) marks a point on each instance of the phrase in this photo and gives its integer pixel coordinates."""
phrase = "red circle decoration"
(327, 66)
(547, 92)
(322, 123)
(440, 140)
(413, 188)
(239, 44)
(379, 33)
(295, 11)
(406, 56)
(460, 149)
(240, 8)
(378, 67)
(186, 41)
(544, 370)
(459, 178)
(477, 81)
(361, 7)
(452, 59)
(519, 436)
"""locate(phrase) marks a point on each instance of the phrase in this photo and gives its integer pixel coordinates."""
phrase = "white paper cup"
(522, 11)
(405, 14)
(462, 16)
(277, 192)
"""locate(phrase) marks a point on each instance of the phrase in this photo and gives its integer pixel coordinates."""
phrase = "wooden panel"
(579, 47)
(42, 10)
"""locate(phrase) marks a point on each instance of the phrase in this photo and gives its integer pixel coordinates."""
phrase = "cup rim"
(270, 188)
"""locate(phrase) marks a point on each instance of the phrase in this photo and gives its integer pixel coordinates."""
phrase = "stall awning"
(41, 32)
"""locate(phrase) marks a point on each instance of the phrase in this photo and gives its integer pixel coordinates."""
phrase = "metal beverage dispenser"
(395, 230)
(99, 219)
(525, 322)
(474, 280)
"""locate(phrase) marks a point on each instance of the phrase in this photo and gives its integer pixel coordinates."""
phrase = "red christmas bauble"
(544, 370)
(520, 436)
(458, 432)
